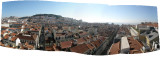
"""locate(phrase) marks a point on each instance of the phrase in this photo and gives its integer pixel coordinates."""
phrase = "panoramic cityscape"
(92, 29)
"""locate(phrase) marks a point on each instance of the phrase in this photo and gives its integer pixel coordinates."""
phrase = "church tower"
(41, 42)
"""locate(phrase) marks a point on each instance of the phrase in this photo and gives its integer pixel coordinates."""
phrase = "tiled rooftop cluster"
(103, 29)
(56, 33)
(143, 42)
(57, 37)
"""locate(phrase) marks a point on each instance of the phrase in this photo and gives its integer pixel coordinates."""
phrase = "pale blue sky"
(87, 12)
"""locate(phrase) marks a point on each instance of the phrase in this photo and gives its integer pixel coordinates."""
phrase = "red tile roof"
(6, 36)
(82, 48)
(115, 48)
(29, 46)
(13, 28)
(101, 38)
(88, 37)
(2, 33)
(66, 44)
(13, 34)
(48, 48)
(90, 46)
(80, 40)
(13, 38)
(135, 45)
(150, 24)
(25, 37)
(96, 43)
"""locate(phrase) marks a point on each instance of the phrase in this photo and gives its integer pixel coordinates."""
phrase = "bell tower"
(41, 42)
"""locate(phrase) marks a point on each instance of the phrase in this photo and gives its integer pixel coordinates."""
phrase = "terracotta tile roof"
(29, 46)
(13, 34)
(8, 31)
(88, 37)
(6, 36)
(25, 37)
(2, 33)
(13, 28)
(134, 45)
(22, 47)
(149, 24)
(155, 24)
(101, 38)
(80, 40)
(4, 27)
(65, 27)
(90, 46)
(82, 48)
(48, 48)
(96, 43)
(66, 44)
(115, 48)
(13, 38)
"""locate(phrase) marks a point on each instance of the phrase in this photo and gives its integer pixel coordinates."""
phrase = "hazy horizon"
(92, 13)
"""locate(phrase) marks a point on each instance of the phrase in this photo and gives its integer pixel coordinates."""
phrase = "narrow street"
(109, 43)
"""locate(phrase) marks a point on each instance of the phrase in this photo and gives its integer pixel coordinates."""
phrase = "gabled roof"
(115, 48)
(82, 48)
(135, 46)
(80, 40)
(66, 44)
(96, 43)
(90, 46)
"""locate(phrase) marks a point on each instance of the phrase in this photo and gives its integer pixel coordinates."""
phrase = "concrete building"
(125, 48)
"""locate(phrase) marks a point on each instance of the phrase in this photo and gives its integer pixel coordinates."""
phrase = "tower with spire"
(40, 44)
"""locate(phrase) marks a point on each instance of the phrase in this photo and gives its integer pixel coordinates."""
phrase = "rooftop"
(115, 48)
(66, 44)
(82, 48)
